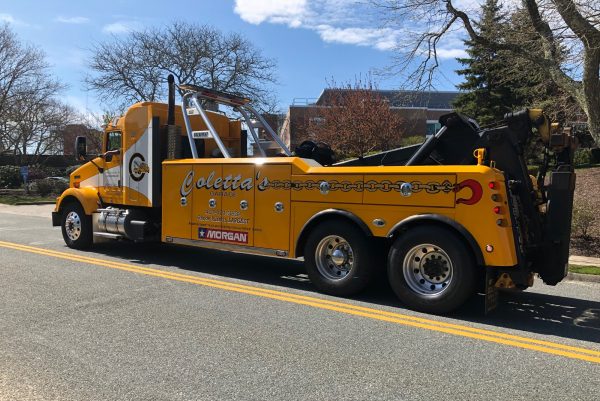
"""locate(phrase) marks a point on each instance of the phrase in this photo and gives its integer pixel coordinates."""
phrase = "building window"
(433, 126)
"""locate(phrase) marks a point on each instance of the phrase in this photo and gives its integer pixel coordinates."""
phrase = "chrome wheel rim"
(73, 226)
(427, 269)
(334, 257)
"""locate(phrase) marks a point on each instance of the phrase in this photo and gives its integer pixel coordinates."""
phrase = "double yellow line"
(341, 307)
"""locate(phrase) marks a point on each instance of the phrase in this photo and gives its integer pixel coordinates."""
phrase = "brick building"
(419, 110)
(71, 131)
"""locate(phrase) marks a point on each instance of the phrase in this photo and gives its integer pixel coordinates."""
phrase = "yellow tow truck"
(457, 214)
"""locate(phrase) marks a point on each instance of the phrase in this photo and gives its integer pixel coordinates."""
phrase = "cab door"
(111, 188)
(273, 204)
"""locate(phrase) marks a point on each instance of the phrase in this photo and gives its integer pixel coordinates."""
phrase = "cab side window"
(113, 141)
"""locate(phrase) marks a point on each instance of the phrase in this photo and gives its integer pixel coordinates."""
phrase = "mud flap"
(553, 262)
(491, 291)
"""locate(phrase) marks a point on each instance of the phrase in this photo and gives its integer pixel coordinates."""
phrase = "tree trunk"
(591, 91)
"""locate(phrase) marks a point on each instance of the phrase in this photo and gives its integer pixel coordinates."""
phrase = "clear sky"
(312, 41)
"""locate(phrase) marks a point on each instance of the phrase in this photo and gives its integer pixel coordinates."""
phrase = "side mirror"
(80, 147)
(108, 157)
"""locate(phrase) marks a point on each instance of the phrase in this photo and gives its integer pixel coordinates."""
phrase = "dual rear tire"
(429, 268)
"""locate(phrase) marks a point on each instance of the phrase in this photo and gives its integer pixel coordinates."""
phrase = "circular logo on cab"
(138, 167)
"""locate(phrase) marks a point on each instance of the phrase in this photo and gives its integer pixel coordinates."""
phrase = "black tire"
(431, 269)
(76, 226)
(356, 270)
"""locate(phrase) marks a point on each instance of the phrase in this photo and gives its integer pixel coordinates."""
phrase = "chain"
(276, 184)
(370, 186)
(432, 187)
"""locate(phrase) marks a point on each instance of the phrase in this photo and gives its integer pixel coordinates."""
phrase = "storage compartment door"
(273, 204)
(177, 197)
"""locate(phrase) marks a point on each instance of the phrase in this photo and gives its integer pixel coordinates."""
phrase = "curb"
(589, 278)
(34, 203)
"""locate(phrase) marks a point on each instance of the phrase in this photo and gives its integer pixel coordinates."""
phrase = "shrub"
(412, 140)
(595, 155)
(40, 172)
(42, 187)
(60, 186)
(45, 187)
(10, 177)
(583, 219)
(582, 157)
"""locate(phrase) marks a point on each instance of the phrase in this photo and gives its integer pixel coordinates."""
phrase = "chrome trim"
(210, 127)
(107, 235)
(188, 126)
(252, 130)
(269, 129)
(227, 247)
(379, 222)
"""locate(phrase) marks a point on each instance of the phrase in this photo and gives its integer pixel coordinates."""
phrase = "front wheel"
(431, 270)
(76, 226)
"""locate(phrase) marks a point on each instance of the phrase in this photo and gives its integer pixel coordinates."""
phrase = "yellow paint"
(87, 197)
(433, 193)
(417, 198)
(233, 216)
(176, 219)
(272, 227)
(533, 344)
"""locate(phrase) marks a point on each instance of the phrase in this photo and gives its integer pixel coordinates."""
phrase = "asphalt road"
(140, 322)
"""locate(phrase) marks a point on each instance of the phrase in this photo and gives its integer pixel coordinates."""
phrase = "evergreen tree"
(532, 85)
(486, 93)
(497, 82)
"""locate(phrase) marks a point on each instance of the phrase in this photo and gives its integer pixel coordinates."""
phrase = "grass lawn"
(14, 199)
(584, 269)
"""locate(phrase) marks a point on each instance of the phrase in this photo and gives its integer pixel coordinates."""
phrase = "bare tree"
(39, 128)
(355, 120)
(135, 67)
(28, 109)
(568, 30)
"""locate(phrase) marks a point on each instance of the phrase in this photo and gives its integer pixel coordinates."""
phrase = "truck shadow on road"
(528, 311)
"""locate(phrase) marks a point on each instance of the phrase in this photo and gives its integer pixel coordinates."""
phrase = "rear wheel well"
(462, 234)
(333, 216)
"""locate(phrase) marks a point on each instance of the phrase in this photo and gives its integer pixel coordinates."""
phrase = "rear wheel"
(76, 226)
(337, 258)
(431, 270)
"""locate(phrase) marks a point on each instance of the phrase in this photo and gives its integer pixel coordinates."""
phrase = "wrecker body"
(457, 214)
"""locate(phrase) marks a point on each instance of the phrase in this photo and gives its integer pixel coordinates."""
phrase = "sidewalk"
(584, 261)
(28, 210)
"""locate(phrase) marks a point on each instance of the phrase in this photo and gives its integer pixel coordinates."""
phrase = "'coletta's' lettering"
(227, 183)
